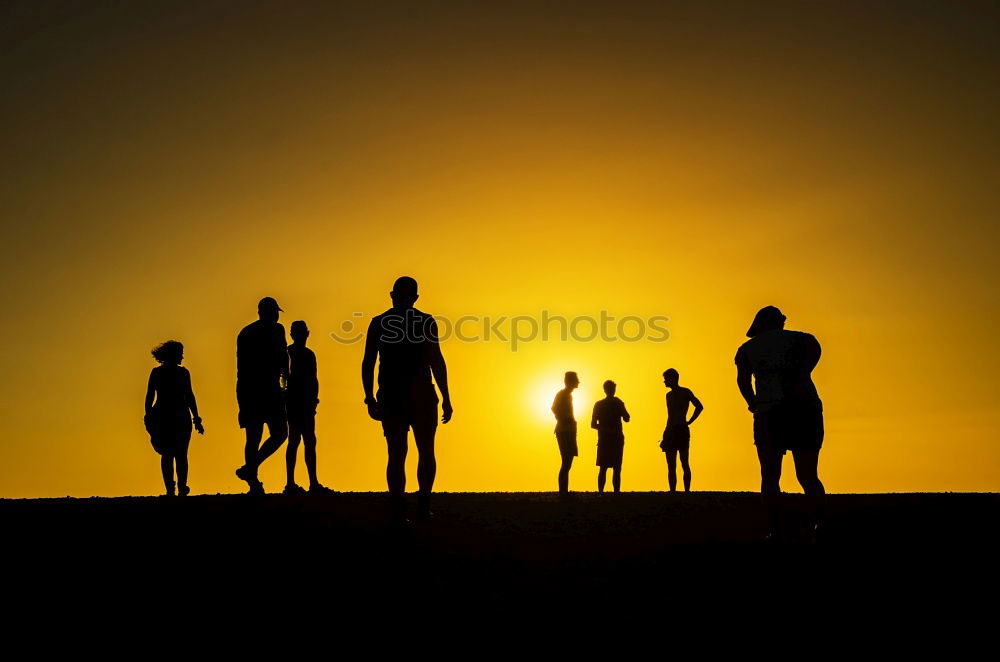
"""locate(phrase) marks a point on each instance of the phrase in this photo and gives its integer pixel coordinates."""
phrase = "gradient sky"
(166, 164)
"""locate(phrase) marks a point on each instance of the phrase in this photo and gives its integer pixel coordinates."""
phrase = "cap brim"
(754, 330)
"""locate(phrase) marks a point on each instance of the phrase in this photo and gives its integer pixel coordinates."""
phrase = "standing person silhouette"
(607, 420)
(170, 405)
(676, 439)
(302, 397)
(565, 430)
(261, 374)
(405, 343)
(787, 410)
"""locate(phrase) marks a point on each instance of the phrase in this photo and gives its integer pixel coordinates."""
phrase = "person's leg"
(395, 468)
(616, 477)
(395, 471)
(277, 430)
(686, 467)
(602, 477)
(807, 473)
(167, 469)
(253, 432)
(248, 471)
(309, 449)
(567, 464)
(770, 484)
(672, 468)
(423, 437)
(770, 470)
(181, 460)
(426, 462)
(291, 453)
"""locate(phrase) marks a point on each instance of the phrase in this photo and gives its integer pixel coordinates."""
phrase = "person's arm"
(440, 371)
(812, 351)
(593, 418)
(150, 391)
(698, 408)
(282, 354)
(368, 370)
(625, 415)
(315, 379)
(193, 404)
(744, 380)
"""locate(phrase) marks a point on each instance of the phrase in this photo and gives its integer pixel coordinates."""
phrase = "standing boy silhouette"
(302, 397)
(607, 420)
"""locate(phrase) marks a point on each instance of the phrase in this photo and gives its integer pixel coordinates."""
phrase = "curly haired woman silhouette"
(170, 406)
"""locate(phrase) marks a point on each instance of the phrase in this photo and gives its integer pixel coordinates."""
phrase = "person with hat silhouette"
(774, 375)
(261, 375)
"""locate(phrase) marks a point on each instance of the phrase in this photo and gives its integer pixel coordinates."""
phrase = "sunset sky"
(167, 164)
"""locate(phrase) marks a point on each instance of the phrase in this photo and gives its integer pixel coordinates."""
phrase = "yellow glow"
(696, 164)
(540, 401)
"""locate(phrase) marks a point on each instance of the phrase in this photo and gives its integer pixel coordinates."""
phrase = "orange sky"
(167, 166)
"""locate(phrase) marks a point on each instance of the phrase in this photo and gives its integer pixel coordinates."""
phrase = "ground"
(504, 550)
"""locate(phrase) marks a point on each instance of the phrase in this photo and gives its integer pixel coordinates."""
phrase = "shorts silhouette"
(676, 438)
(610, 449)
(567, 442)
(417, 409)
(789, 426)
(259, 406)
(300, 411)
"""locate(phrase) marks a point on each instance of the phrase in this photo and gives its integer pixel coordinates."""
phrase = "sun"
(540, 399)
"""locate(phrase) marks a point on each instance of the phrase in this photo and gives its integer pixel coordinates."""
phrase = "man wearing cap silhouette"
(261, 375)
(787, 411)
(404, 341)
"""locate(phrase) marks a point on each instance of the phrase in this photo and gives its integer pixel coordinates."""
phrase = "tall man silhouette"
(787, 411)
(405, 342)
(261, 374)
(565, 430)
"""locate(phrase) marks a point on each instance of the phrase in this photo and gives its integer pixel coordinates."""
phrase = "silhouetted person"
(301, 399)
(261, 373)
(787, 411)
(607, 420)
(170, 405)
(565, 430)
(677, 434)
(404, 341)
